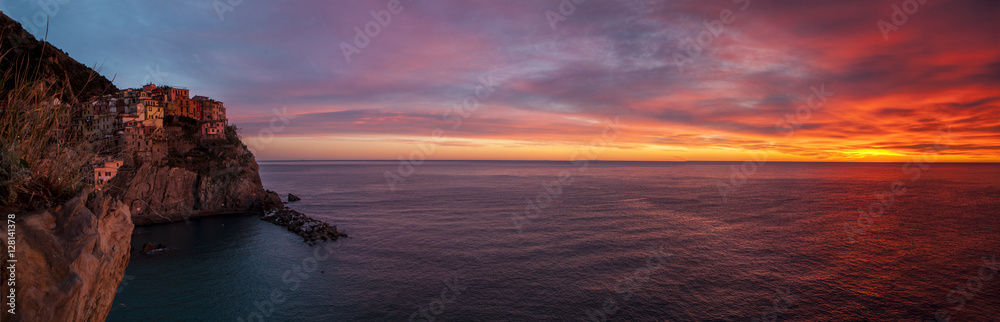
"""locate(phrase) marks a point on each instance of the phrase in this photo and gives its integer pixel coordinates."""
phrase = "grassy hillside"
(43, 158)
(29, 59)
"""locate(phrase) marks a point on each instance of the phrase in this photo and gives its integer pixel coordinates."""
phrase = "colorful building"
(129, 124)
(106, 172)
(214, 129)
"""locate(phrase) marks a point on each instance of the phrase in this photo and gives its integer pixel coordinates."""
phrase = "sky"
(872, 80)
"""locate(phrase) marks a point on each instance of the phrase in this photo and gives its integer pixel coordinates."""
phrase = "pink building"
(214, 129)
(104, 174)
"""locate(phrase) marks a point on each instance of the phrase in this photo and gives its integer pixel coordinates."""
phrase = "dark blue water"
(625, 241)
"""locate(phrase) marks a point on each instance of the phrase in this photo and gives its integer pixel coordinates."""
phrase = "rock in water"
(292, 197)
(150, 248)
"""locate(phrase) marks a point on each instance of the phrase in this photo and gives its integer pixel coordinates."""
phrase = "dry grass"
(44, 158)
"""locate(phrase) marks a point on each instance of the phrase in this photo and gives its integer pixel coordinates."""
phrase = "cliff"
(70, 259)
(199, 177)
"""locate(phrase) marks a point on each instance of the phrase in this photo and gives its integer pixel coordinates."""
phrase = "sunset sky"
(548, 78)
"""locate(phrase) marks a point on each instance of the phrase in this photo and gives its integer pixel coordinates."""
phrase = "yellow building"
(154, 114)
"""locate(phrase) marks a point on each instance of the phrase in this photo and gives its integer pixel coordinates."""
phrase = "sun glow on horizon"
(508, 85)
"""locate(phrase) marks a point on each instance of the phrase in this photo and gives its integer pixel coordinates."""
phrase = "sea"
(589, 241)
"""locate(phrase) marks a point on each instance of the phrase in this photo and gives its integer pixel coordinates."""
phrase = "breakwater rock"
(310, 229)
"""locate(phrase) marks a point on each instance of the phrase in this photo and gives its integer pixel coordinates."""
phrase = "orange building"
(189, 108)
(170, 94)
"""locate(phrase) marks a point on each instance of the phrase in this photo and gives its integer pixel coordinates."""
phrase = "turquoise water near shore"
(614, 240)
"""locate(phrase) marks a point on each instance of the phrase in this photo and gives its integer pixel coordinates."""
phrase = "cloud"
(607, 59)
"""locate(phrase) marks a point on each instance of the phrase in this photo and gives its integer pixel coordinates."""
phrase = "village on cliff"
(129, 124)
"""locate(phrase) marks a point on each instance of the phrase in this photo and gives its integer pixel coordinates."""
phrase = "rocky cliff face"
(158, 194)
(70, 259)
(200, 177)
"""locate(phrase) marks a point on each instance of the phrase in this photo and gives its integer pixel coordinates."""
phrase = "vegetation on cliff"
(43, 158)
(226, 156)
(41, 163)
(41, 62)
